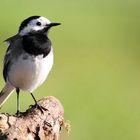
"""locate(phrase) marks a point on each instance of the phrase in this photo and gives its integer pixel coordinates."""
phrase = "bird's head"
(35, 24)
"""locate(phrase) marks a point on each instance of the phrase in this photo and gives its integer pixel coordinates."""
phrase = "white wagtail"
(28, 59)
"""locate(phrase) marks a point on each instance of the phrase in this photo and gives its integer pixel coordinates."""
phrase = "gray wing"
(5, 70)
(6, 62)
(12, 52)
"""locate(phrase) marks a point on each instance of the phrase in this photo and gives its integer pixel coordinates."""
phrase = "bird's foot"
(19, 114)
(41, 108)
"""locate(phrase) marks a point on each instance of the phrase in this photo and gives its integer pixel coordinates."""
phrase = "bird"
(28, 58)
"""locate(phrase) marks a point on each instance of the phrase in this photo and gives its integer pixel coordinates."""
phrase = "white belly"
(28, 74)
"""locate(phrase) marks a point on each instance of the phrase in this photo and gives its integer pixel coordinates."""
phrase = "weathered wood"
(33, 124)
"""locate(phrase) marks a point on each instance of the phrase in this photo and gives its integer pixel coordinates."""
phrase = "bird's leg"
(18, 101)
(41, 108)
(33, 98)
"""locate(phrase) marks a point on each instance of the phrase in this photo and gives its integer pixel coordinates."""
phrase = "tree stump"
(34, 124)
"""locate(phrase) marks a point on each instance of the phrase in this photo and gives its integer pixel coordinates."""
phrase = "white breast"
(29, 73)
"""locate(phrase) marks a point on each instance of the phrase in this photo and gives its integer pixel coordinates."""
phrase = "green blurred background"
(96, 74)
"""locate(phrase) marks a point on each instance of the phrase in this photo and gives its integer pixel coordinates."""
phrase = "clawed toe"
(19, 114)
(41, 108)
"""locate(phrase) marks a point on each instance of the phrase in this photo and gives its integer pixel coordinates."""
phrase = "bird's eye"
(38, 23)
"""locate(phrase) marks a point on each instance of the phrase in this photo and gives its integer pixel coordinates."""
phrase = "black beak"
(48, 26)
(53, 24)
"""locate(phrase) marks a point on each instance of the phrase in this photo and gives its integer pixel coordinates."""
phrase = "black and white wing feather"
(7, 58)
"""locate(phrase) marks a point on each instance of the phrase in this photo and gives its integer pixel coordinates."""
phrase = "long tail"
(5, 93)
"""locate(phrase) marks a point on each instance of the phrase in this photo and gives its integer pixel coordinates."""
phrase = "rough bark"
(34, 124)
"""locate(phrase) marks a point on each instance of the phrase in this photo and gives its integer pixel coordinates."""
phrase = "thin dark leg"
(18, 101)
(33, 98)
(41, 108)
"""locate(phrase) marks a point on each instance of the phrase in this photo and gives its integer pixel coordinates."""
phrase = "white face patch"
(32, 26)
